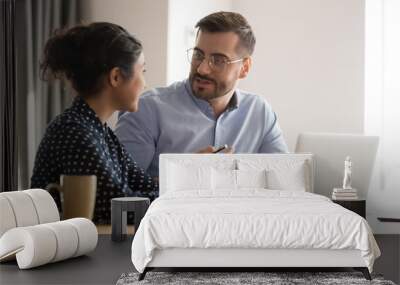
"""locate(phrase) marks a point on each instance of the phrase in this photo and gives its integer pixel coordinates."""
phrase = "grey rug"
(243, 278)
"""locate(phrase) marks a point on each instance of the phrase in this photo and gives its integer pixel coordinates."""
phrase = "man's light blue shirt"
(173, 120)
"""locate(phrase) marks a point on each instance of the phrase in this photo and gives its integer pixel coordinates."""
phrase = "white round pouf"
(87, 234)
(34, 246)
(45, 206)
(41, 244)
(67, 240)
(31, 230)
(23, 208)
(7, 220)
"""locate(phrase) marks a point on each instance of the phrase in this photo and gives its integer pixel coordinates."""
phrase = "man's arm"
(137, 132)
(273, 141)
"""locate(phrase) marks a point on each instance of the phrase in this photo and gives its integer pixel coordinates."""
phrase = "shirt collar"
(234, 102)
(86, 114)
(205, 106)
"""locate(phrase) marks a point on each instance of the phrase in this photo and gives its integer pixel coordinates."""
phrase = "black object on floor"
(389, 220)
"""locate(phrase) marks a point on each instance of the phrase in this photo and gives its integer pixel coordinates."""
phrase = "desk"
(102, 266)
(106, 229)
(110, 259)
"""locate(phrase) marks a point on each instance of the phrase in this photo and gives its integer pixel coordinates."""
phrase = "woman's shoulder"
(67, 120)
(66, 125)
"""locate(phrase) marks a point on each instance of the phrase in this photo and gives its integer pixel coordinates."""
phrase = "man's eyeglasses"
(216, 62)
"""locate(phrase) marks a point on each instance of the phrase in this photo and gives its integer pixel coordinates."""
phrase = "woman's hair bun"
(85, 53)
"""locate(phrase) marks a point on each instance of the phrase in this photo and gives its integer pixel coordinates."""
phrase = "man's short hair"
(229, 22)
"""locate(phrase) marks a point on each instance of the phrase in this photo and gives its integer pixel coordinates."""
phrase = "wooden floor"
(106, 229)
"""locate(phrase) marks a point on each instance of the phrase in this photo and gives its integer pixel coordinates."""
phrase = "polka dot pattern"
(77, 143)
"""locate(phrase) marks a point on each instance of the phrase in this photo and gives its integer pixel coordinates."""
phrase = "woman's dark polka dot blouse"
(77, 143)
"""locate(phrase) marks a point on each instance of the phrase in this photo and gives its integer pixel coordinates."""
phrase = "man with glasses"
(206, 110)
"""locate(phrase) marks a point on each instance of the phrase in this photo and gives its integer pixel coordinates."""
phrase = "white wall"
(308, 63)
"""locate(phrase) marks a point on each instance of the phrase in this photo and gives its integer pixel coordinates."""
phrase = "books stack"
(344, 194)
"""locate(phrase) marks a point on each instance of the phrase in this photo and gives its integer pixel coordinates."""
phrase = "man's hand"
(211, 149)
(208, 149)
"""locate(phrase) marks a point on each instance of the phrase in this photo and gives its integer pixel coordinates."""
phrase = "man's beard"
(219, 90)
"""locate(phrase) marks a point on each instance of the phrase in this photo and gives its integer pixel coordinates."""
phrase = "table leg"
(117, 222)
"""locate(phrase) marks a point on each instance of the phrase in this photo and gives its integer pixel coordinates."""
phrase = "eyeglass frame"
(210, 64)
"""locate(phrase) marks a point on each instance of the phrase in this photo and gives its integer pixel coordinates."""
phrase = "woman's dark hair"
(85, 53)
(230, 22)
